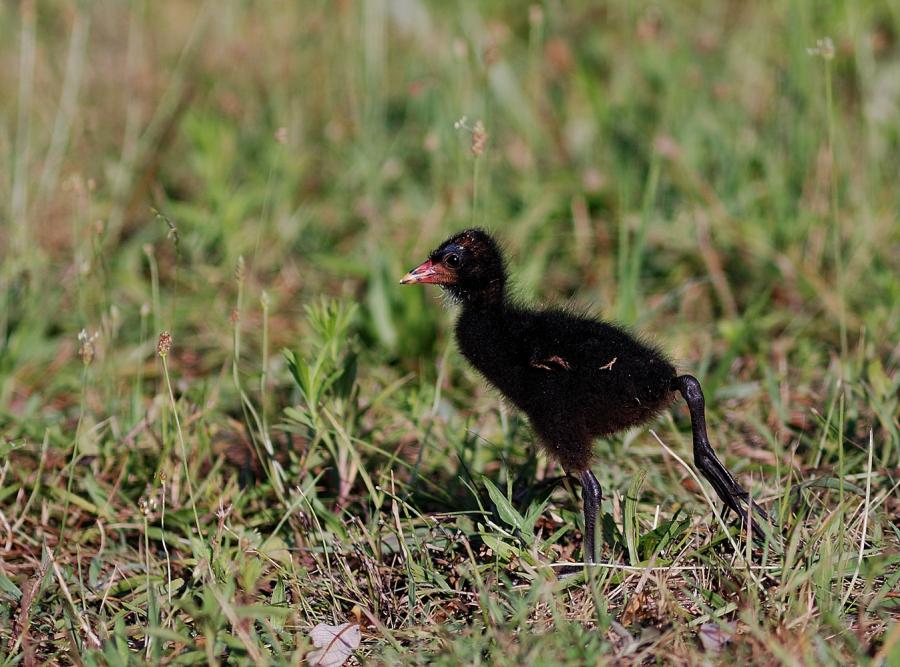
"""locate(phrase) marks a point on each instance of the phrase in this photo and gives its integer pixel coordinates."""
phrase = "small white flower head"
(147, 506)
(478, 132)
(824, 48)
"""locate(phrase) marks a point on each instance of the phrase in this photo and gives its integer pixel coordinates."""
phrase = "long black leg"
(591, 494)
(731, 493)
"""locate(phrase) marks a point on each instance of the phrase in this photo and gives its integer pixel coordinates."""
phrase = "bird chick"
(575, 377)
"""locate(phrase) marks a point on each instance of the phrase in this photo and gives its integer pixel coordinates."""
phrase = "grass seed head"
(164, 344)
(86, 349)
(478, 132)
(479, 139)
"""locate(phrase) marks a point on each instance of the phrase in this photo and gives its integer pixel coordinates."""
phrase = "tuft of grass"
(719, 178)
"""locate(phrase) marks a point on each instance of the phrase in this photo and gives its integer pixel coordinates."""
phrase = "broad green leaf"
(505, 510)
(631, 529)
(8, 587)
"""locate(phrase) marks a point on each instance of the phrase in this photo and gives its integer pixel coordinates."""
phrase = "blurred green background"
(256, 176)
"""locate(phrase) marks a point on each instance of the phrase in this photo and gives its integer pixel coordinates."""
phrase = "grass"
(254, 178)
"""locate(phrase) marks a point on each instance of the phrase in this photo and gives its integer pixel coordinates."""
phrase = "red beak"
(428, 272)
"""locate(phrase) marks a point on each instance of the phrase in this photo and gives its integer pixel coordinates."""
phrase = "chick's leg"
(731, 493)
(591, 494)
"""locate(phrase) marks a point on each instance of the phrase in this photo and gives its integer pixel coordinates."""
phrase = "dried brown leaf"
(715, 636)
(335, 644)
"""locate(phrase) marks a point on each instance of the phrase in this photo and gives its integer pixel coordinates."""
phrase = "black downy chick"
(575, 377)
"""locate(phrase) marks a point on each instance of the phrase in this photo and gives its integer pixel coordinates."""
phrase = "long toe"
(739, 495)
(744, 497)
(755, 524)
(737, 499)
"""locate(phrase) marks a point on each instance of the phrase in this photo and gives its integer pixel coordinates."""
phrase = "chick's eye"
(453, 260)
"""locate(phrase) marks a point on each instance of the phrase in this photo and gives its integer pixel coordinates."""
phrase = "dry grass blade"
(90, 637)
